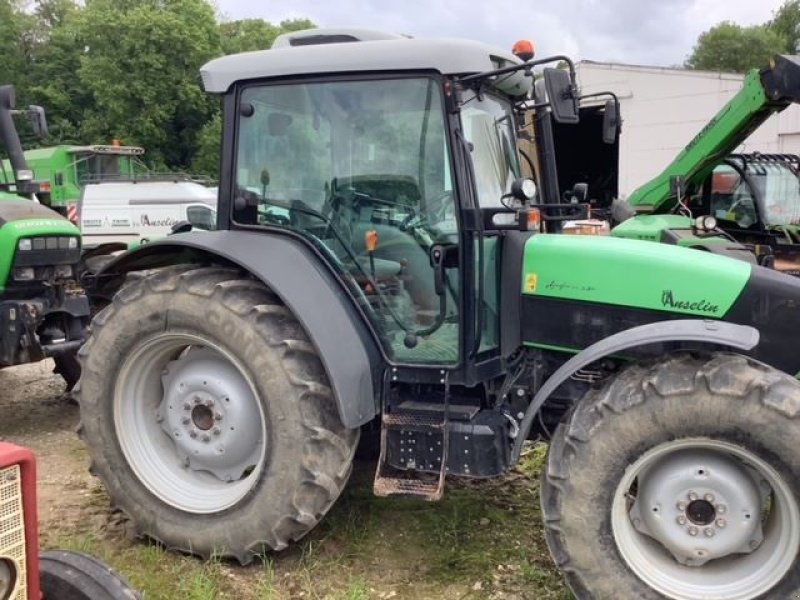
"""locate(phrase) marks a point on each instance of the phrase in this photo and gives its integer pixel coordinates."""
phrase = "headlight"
(73, 243)
(8, 578)
(24, 244)
(63, 271)
(24, 274)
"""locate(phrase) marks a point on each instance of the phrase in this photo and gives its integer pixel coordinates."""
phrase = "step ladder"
(390, 481)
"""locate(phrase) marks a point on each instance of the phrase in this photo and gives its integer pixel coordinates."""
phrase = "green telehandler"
(43, 311)
(379, 260)
(742, 205)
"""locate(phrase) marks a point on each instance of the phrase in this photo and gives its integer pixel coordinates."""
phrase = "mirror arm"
(527, 66)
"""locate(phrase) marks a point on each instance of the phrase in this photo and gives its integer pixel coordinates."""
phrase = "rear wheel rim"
(189, 422)
(694, 506)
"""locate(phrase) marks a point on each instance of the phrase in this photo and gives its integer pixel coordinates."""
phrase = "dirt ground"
(37, 414)
(470, 545)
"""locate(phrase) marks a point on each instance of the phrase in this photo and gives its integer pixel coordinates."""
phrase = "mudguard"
(298, 276)
(741, 337)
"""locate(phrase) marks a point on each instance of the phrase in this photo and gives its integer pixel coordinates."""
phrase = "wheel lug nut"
(709, 532)
(721, 523)
(681, 520)
(159, 418)
(709, 497)
(206, 437)
(693, 531)
(692, 496)
(217, 416)
(681, 506)
(217, 431)
(187, 406)
(186, 420)
(192, 434)
(198, 400)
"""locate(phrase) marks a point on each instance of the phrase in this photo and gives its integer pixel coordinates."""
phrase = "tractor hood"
(577, 290)
(620, 272)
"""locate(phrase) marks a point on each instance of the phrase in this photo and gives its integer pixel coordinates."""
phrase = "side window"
(731, 197)
(202, 217)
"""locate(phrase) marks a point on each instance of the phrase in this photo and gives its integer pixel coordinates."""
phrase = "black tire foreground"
(309, 452)
(66, 575)
(723, 397)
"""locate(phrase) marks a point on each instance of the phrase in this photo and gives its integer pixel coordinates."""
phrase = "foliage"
(127, 69)
(730, 47)
(786, 23)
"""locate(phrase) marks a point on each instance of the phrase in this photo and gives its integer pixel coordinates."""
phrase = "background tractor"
(43, 311)
(379, 258)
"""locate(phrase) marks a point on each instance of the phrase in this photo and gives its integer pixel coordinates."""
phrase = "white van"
(142, 210)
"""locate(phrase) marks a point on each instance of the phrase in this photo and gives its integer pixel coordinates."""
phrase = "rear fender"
(296, 274)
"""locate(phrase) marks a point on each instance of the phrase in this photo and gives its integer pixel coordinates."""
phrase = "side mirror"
(38, 121)
(579, 193)
(610, 122)
(180, 227)
(561, 95)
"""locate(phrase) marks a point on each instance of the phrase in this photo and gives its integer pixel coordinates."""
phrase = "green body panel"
(651, 228)
(610, 270)
(8, 196)
(58, 165)
(13, 231)
(730, 127)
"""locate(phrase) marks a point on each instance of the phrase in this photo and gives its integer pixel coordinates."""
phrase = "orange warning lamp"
(523, 50)
(371, 240)
(533, 219)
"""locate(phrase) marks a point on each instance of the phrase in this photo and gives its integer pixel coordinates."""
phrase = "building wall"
(663, 109)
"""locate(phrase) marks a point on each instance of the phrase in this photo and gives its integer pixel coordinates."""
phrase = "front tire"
(679, 480)
(208, 414)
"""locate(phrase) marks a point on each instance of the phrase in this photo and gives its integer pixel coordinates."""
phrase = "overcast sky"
(652, 32)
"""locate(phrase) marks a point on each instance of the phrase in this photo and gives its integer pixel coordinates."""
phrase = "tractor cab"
(399, 175)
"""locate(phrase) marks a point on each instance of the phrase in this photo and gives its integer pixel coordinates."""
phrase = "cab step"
(416, 418)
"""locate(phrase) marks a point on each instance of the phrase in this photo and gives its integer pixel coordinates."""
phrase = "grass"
(484, 539)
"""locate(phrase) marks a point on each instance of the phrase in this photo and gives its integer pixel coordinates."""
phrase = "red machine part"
(14, 455)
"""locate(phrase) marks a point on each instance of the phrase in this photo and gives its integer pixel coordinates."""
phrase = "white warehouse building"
(664, 108)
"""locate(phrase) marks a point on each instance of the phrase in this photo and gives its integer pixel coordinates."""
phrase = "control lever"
(437, 262)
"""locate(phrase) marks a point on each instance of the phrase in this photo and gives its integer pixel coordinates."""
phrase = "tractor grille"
(12, 525)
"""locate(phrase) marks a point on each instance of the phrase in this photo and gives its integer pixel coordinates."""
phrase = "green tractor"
(378, 259)
(43, 311)
(63, 171)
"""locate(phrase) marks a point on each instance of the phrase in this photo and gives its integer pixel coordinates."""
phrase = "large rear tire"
(67, 575)
(679, 480)
(208, 414)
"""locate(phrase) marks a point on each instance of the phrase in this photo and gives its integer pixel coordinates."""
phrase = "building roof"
(612, 66)
(447, 56)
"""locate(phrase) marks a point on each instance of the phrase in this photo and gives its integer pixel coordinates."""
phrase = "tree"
(141, 66)
(16, 42)
(246, 35)
(54, 81)
(206, 158)
(786, 23)
(730, 47)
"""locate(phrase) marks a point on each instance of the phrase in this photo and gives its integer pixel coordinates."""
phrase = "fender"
(294, 272)
(742, 337)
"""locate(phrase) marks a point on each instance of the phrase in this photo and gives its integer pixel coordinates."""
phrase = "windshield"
(780, 190)
(361, 169)
(488, 125)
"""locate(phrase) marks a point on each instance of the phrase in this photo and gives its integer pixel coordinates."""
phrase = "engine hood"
(633, 273)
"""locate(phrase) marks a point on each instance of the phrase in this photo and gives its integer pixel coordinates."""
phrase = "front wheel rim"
(189, 422)
(645, 540)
